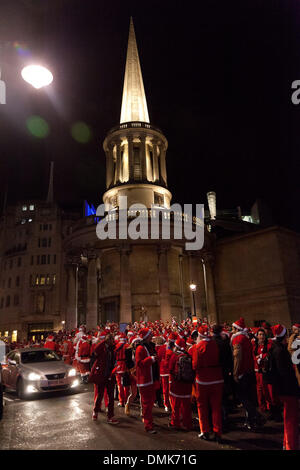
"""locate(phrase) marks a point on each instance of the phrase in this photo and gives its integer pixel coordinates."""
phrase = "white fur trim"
(209, 383)
(237, 327)
(180, 396)
(282, 333)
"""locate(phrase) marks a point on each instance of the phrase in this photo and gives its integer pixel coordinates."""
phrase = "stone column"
(125, 286)
(194, 278)
(162, 157)
(92, 293)
(71, 312)
(118, 165)
(212, 312)
(155, 161)
(130, 157)
(143, 157)
(109, 165)
(163, 275)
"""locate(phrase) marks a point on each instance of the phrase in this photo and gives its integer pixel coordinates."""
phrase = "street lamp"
(37, 75)
(193, 288)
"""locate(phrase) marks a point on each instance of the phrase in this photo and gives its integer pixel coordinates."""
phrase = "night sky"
(217, 77)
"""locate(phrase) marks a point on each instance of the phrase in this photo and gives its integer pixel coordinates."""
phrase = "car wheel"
(20, 390)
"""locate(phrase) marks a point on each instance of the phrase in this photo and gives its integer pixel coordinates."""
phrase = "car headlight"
(72, 373)
(34, 376)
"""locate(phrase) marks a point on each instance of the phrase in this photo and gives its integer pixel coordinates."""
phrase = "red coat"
(178, 389)
(206, 363)
(120, 357)
(247, 363)
(100, 371)
(50, 345)
(84, 352)
(144, 361)
(259, 355)
(161, 357)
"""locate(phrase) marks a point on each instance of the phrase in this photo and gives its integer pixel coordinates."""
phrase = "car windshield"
(38, 356)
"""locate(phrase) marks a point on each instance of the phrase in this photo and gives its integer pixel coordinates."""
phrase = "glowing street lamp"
(193, 288)
(37, 75)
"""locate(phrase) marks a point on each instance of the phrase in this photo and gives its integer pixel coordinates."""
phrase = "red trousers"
(133, 390)
(109, 386)
(181, 409)
(210, 397)
(148, 396)
(291, 422)
(123, 391)
(263, 395)
(165, 389)
(84, 368)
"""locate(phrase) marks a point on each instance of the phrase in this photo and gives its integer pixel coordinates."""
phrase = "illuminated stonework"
(134, 105)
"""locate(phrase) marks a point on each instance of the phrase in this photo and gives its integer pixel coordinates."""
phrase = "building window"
(7, 301)
(17, 281)
(38, 259)
(19, 262)
(54, 259)
(6, 334)
(43, 280)
(39, 242)
(16, 299)
(24, 208)
(44, 242)
(31, 207)
(45, 227)
(43, 259)
(14, 336)
(23, 221)
(54, 278)
(50, 226)
(2, 303)
(41, 227)
(49, 242)
(49, 259)
(48, 279)
(9, 282)
(11, 264)
(31, 261)
(37, 280)
(3, 284)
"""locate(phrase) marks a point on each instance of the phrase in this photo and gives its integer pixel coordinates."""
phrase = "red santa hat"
(50, 338)
(296, 325)
(203, 331)
(144, 333)
(239, 324)
(102, 334)
(122, 338)
(190, 341)
(180, 344)
(172, 336)
(279, 331)
(130, 333)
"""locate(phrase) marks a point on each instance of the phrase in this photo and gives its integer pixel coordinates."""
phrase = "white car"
(31, 371)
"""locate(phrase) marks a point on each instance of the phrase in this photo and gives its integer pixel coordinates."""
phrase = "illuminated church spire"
(134, 104)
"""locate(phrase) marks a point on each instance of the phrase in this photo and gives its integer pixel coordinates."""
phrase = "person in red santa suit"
(163, 357)
(244, 375)
(147, 374)
(121, 347)
(50, 344)
(102, 375)
(98, 338)
(209, 384)
(286, 386)
(131, 369)
(180, 391)
(84, 357)
(261, 346)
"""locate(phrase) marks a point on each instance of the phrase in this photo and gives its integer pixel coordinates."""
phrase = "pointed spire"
(134, 104)
(50, 188)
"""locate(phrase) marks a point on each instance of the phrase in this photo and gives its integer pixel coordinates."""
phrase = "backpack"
(185, 372)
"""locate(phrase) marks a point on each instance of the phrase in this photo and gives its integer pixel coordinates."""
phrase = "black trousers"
(246, 392)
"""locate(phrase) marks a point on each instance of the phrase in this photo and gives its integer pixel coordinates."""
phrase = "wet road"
(63, 421)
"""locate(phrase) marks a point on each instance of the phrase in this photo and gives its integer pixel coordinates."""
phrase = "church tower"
(135, 150)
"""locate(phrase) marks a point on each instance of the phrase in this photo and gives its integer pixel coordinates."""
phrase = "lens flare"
(81, 132)
(38, 127)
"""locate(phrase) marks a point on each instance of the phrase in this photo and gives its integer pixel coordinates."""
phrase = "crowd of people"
(190, 366)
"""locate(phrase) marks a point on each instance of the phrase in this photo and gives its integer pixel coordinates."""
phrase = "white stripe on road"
(8, 399)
